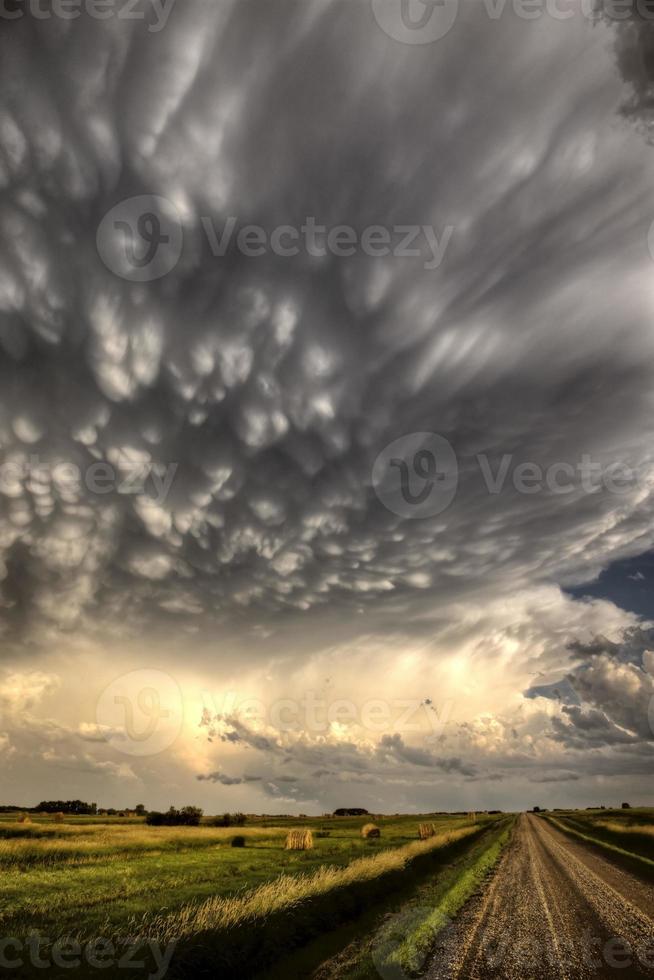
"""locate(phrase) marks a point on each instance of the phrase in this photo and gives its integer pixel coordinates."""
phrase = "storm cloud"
(187, 462)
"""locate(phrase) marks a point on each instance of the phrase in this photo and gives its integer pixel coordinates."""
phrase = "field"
(627, 834)
(222, 907)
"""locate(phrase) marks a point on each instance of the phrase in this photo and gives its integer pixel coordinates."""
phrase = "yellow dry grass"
(38, 843)
(287, 892)
(620, 828)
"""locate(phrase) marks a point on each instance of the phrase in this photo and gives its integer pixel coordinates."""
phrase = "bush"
(370, 830)
(238, 841)
(299, 840)
(228, 820)
(188, 816)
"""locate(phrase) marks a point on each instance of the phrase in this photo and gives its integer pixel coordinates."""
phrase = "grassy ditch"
(402, 945)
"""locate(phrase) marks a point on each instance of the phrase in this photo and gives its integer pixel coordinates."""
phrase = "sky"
(290, 522)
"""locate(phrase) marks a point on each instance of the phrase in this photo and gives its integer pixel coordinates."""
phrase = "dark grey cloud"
(251, 397)
(225, 780)
(394, 747)
(271, 384)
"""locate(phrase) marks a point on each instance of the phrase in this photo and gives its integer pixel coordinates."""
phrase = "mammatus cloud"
(186, 464)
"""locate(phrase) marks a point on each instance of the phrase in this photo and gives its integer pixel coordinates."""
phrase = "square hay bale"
(299, 840)
(370, 831)
(426, 830)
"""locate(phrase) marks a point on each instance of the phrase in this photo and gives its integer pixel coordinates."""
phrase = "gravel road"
(553, 909)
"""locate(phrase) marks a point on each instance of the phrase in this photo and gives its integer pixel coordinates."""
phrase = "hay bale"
(426, 830)
(24, 818)
(238, 841)
(58, 817)
(299, 840)
(370, 830)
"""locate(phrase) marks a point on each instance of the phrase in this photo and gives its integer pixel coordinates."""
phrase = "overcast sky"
(191, 512)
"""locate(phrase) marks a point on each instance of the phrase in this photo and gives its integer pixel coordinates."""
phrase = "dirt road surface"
(554, 909)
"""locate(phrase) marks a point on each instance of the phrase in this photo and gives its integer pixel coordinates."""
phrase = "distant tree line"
(229, 820)
(78, 807)
(188, 816)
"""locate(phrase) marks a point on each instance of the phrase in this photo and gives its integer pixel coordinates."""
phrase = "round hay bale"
(58, 817)
(370, 831)
(299, 840)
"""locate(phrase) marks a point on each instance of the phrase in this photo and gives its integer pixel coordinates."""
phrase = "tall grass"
(38, 845)
(246, 932)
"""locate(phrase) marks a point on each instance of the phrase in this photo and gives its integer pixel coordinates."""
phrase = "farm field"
(627, 833)
(118, 877)
(111, 871)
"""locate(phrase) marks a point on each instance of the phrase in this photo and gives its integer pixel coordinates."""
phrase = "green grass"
(402, 944)
(248, 933)
(96, 875)
(627, 835)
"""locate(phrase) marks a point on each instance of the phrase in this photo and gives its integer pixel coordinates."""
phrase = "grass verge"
(410, 954)
(403, 944)
(636, 862)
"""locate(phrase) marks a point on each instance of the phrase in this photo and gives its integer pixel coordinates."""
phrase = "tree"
(139, 809)
(188, 816)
